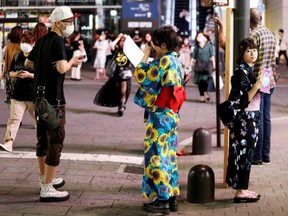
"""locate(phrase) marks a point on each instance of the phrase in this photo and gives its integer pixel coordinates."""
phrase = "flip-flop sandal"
(248, 198)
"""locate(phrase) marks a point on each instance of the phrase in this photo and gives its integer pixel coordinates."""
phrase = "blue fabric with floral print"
(160, 177)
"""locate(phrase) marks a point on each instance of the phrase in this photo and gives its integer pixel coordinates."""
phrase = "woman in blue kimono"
(161, 93)
(244, 128)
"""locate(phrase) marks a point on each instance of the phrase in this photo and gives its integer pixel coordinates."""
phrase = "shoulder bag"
(47, 115)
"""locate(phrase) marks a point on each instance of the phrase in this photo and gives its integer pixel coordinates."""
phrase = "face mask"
(200, 39)
(26, 47)
(68, 31)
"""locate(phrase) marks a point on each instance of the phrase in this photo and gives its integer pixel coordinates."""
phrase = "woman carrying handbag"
(203, 62)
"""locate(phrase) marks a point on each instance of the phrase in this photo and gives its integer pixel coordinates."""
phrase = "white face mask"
(201, 39)
(26, 47)
(68, 31)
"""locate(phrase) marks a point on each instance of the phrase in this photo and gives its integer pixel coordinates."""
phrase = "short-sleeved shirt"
(46, 53)
(203, 54)
(23, 88)
(266, 43)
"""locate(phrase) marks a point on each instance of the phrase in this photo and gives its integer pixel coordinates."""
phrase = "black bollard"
(201, 142)
(201, 184)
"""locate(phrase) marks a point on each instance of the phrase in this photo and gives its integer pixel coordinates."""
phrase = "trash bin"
(201, 184)
(201, 142)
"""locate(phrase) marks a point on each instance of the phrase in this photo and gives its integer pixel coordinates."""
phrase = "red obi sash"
(171, 97)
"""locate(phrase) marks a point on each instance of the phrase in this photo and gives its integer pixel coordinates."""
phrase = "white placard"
(132, 51)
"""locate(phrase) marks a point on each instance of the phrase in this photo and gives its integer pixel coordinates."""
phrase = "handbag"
(126, 74)
(9, 81)
(226, 113)
(47, 115)
(212, 83)
(203, 66)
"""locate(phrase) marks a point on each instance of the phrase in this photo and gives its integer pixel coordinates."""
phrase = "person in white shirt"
(102, 45)
(283, 44)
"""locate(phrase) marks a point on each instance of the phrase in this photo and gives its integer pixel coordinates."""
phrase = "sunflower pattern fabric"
(160, 177)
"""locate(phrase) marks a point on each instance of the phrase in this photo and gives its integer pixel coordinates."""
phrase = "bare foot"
(246, 193)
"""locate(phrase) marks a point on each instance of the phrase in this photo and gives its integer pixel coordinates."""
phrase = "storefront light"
(113, 12)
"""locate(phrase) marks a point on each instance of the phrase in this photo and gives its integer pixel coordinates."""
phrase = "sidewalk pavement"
(102, 159)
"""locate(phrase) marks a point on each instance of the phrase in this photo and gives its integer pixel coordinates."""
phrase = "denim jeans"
(262, 149)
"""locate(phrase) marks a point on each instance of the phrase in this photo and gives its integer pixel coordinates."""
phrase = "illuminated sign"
(144, 14)
(140, 9)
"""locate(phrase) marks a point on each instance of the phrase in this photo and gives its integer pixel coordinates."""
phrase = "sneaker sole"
(2, 148)
(54, 199)
(59, 185)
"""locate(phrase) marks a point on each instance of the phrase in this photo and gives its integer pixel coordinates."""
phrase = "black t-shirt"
(47, 51)
(23, 88)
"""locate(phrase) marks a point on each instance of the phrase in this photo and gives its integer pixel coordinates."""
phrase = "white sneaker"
(57, 182)
(50, 194)
(7, 147)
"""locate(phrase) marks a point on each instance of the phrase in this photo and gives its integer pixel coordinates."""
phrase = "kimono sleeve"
(238, 93)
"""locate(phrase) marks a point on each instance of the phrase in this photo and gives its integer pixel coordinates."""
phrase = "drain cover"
(134, 169)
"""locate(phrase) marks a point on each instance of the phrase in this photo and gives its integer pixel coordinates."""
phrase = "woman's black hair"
(167, 35)
(243, 46)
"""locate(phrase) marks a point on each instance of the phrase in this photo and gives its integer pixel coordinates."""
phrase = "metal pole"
(217, 74)
(241, 23)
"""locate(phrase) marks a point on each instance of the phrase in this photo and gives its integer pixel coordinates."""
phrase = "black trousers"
(282, 52)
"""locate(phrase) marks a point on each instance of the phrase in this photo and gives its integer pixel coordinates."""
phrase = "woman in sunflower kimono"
(161, 93)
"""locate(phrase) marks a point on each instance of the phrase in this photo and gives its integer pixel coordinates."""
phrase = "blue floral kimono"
(161, 168)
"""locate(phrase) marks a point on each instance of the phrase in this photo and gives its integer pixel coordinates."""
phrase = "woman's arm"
(256, 87)
(113, 43)
(147, 50)
(221, 34)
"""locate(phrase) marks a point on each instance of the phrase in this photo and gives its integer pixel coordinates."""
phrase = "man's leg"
(267, 127)
(50, 172)
(257, 157)
(286, 58)
(49, 147)
(41, 165)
